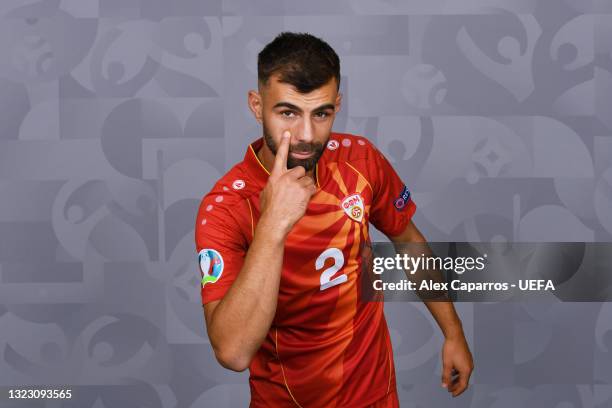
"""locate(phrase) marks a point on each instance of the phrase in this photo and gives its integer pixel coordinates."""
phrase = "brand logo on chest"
(353, 206)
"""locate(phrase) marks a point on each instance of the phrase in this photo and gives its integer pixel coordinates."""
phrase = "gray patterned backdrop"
(116, 117)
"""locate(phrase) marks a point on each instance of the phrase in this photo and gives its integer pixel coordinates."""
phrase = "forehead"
(275, 91)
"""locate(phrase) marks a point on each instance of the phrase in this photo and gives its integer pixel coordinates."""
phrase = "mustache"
(302, 147)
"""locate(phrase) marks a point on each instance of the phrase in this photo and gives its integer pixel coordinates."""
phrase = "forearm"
(413, 243)
(243, 317)
(437, 301)
(445, 315)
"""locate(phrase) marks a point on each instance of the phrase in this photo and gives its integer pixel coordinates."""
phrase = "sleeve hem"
(407, 216)
(211, 297)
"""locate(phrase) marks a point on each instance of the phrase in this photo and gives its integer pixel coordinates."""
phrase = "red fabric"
(325, 348)
(391, 400)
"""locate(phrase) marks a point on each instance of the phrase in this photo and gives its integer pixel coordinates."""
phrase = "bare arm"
(443, 312)
(455, 353)
(238, 323)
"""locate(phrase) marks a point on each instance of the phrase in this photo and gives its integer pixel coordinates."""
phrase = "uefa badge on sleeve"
(211, 265)
(402, 200)
(353, 207)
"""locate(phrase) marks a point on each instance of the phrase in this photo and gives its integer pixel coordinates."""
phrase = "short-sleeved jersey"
(324, 348)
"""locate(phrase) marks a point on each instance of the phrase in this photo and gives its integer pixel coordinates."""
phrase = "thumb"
(446, 374)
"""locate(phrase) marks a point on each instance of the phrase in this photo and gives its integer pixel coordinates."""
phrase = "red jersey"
(324, 348)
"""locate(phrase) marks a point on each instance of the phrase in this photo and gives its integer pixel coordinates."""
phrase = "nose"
(305, 133)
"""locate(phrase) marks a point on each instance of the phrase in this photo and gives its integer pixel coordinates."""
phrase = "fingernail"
(286, 133)
(443, 385)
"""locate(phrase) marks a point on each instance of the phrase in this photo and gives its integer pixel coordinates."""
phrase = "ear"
(254, 101)
(338, 102)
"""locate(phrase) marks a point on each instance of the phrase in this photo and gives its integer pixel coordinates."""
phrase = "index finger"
(280, 160)
(461, 386)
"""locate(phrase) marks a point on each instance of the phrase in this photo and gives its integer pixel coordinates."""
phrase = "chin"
(307, 164)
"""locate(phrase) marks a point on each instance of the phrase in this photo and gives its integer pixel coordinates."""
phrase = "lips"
(302, 155)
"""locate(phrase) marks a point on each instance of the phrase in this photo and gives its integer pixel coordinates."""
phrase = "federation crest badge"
(353, 207)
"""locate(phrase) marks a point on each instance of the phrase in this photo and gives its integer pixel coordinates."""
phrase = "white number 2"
(338, 256)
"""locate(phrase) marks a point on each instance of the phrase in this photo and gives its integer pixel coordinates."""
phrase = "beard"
(301, 147)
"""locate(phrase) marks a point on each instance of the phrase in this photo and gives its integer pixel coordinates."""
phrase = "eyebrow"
(296, 108)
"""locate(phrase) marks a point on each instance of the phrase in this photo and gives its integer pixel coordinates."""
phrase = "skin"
(309, 117)
(457, 361)
(238, 323)
(292, 122)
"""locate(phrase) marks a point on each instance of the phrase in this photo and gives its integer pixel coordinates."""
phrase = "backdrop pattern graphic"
(117, 116)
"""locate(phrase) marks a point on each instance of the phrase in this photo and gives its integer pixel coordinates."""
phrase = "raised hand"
(285, 197)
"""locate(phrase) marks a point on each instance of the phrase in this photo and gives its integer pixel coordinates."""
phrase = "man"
(280, 238)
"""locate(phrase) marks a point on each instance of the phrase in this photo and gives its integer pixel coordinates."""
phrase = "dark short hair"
(299, 59)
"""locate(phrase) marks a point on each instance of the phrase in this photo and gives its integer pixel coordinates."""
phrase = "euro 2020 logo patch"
(353, 207)
(211, 265)
(402, 200)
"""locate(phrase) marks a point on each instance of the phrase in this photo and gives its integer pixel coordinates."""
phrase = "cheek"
(276, 124)
(322, 129)
(273, 123)
(321, 134)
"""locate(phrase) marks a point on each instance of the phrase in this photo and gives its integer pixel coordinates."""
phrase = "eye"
(288, 114)
(321, 114)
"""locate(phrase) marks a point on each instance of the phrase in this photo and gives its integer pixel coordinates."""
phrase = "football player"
(280, 238)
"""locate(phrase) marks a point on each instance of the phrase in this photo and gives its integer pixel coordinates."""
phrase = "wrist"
(454, 332)
(274, 229)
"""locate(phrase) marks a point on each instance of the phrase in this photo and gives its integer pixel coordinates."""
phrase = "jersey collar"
(256, 168)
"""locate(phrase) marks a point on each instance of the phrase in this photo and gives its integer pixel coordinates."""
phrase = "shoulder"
(227, 198)
(347, 147)
(234, 187)
(357, 153)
